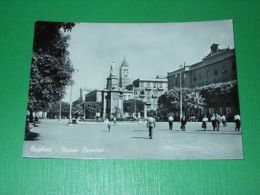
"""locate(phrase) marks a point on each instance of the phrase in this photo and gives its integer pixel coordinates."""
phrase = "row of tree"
(51, 68)
(196, 102)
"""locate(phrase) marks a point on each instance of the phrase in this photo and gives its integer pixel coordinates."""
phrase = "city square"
(130, 140)
(96, 95)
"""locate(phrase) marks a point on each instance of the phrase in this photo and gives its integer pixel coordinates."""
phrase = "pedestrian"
(150, 125)
(114, 119)
(238, 122)
(108, 124)
(204, 122)
(170, 120)
(218, 121)
(183, 123)
(213, 121)
(224, 121)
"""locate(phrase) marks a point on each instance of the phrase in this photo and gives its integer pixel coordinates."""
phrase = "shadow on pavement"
(211, 132)
(140, 137)
(139, 130)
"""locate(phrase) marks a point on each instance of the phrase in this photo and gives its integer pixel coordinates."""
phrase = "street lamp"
(60, 111)
(180, 95)
(84, 112)
(71, 86)
(70, 115)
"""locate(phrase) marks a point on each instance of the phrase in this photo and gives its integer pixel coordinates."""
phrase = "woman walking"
(204, 122)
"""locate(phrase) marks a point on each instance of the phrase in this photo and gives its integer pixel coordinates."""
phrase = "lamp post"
(71, 87)
(84, 112)
(180, 95)
(70, 115)
(60, 112)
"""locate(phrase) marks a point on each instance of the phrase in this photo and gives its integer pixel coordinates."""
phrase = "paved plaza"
(130, 140)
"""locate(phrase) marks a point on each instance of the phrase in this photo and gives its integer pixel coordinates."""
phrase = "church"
(115, 92)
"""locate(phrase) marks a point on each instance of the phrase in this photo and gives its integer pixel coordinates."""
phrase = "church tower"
(112, 80)
(124, 74)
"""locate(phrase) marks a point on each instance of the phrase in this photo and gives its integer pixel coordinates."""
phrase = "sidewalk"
(131, 141)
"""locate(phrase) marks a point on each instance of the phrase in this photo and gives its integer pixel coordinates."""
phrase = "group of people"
(183, 122)
(215, 119)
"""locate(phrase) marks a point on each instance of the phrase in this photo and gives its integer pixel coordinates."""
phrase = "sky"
(150, 49)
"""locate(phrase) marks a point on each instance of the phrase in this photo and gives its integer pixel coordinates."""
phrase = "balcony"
(161, 88)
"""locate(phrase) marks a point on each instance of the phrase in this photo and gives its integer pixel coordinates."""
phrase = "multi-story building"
(149, 90)
(94, 96)
(217, 67)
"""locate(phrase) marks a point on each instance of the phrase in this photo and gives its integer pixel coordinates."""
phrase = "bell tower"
(112, 80)
(124, 74)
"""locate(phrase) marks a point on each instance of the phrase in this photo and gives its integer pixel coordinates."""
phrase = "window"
(224, 69)
(176, 82)
(142, 92)
(215, 72)
(207, 73)
(155, 92)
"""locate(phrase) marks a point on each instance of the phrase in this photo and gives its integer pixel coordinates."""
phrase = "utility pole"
(60, 111)
(70, 116)
(181, 93)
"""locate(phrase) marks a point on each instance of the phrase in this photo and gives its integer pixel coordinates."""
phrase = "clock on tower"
(125, 72)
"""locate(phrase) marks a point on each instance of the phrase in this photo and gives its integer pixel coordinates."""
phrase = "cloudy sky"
(150, 48)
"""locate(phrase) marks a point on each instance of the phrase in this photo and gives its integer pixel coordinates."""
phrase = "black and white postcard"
(133, 91)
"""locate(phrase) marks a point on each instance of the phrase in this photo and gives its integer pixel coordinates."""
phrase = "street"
(130, 140)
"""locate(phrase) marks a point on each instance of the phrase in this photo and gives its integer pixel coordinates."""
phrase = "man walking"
(150, 125)
(107, 123)
(170, 120)
(183, 123)
(224, 120)
(237, 121)
(218, 120)
(213, 121)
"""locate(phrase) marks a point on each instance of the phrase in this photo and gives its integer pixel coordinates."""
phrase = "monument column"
(145, 111)
(104, 104)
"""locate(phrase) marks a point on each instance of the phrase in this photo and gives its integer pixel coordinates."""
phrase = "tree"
(54, 110)
(51, 68)
(133, 106)
(221, 95)
(169, 103)
(92, 108)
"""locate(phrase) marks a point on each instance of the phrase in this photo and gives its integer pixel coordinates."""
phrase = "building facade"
(217, 67)
(94, 96)
(148, 91)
